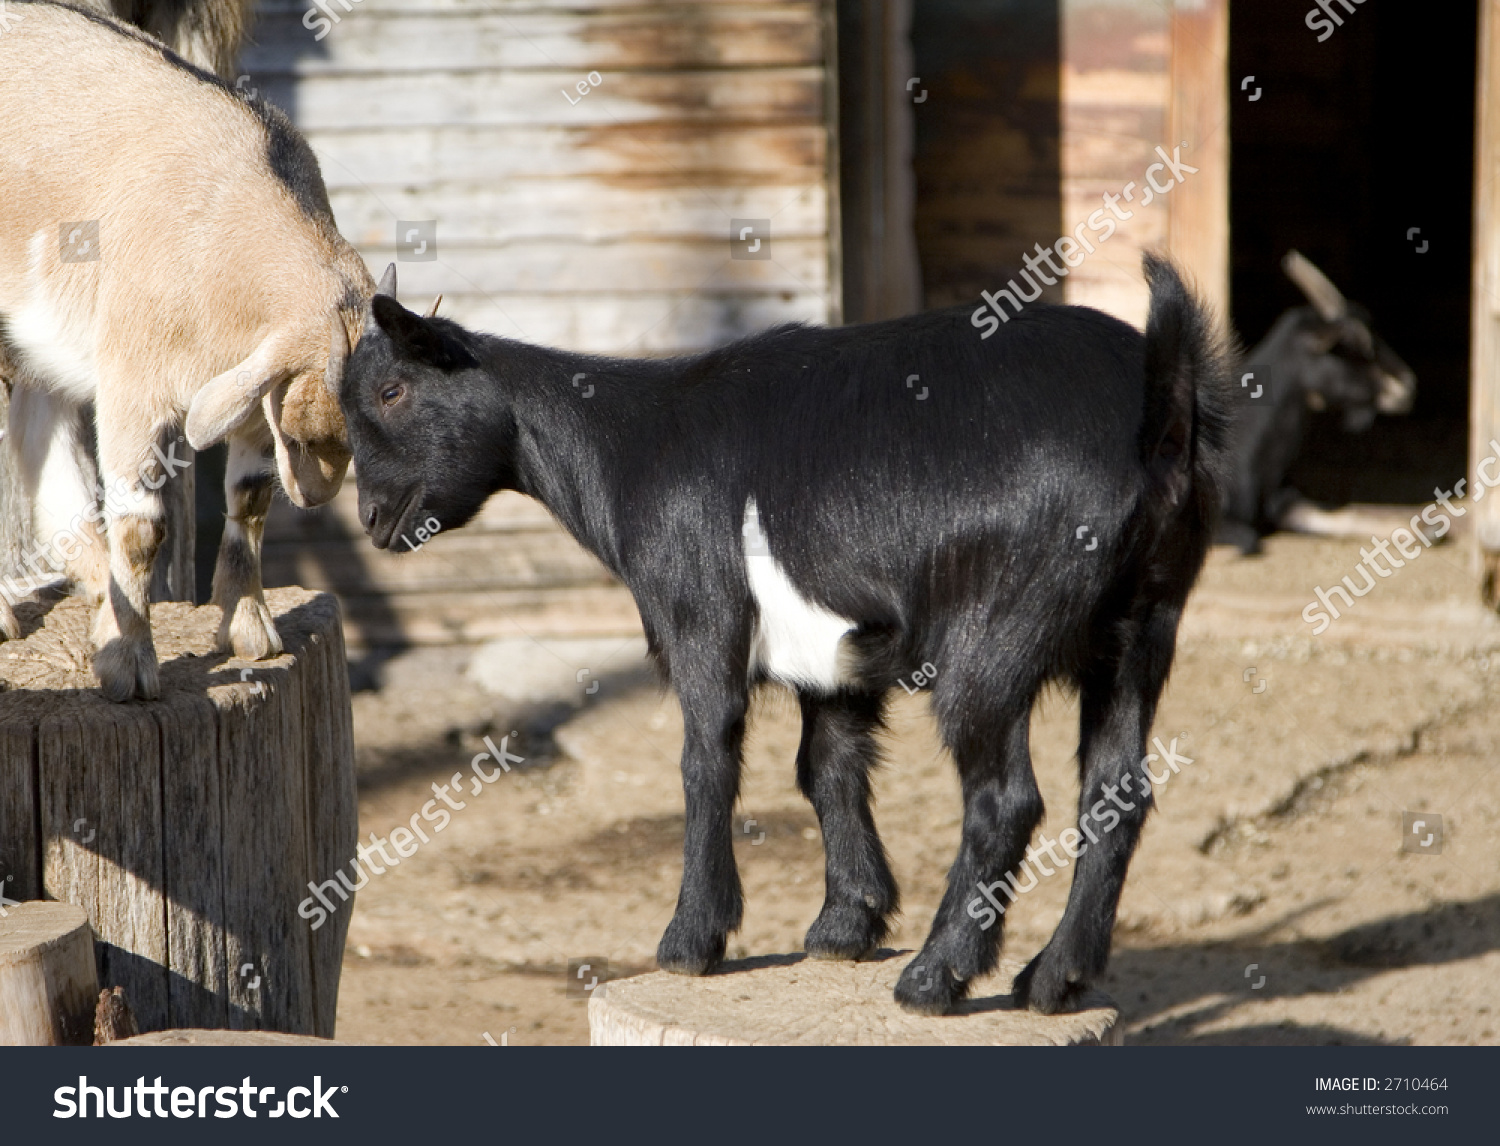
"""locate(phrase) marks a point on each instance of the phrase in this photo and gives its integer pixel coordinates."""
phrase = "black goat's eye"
(391, 395)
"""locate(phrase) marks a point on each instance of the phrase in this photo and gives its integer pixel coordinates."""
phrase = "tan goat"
(166, 249)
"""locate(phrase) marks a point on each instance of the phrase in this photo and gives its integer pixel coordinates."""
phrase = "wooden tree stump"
(188, 828)
(791, 1000)
(47, 983)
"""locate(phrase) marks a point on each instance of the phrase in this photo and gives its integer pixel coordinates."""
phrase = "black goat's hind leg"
(1118, 706)
(1001, 809)
(833, 771)
(710, 904)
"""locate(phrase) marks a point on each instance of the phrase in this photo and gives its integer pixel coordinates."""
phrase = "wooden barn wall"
(987, 158)
(595, 219)
(1116, 93)
(1142, 80)
(1036, 110)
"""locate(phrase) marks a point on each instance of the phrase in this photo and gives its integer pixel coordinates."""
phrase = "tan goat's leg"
(246, 626)
(125, 656)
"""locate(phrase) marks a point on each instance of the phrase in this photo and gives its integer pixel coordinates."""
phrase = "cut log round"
(188, 828)
(791, 1000)
(47, 984)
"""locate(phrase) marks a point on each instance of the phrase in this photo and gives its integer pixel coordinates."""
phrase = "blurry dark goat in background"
(1324, 356)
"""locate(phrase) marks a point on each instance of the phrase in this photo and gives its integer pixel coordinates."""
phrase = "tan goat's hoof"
(249, 631)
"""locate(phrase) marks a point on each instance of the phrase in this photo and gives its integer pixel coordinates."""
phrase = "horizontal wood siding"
(554, 208)
(598, 222)
(511, 572)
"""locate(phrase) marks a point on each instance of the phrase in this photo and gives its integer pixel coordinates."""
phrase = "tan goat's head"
(301, 411)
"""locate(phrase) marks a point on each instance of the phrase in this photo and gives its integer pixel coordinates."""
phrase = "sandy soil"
(1270, 901)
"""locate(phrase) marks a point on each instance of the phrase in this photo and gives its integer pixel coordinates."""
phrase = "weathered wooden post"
(1484, 374)
(187, 828)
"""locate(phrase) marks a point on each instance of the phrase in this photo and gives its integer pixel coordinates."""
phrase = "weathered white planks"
(695, 115)
(489, 614)
(625, 324)
(540, 265)
(672, 154)
(486, 36)
(517, 99)
(569, 211)
(510, 572)
(463, 561)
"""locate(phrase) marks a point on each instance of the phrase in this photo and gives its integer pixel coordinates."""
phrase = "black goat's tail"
(1185, 430)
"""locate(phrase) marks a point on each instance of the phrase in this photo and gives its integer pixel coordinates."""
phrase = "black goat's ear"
(398, 323)
(418, 338)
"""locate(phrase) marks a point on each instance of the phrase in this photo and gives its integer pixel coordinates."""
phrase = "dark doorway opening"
(1356, 141)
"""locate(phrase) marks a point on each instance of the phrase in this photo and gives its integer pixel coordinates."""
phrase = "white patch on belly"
(56, 347)
(796, 641)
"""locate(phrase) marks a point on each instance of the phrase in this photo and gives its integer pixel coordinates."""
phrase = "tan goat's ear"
(224, 402)
(338, 358)
(311, 470)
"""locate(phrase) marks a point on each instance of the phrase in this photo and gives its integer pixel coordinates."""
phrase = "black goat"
(1325, 356)
(832, 509)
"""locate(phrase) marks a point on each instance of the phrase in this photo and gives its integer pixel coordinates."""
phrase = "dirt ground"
(1271, 900)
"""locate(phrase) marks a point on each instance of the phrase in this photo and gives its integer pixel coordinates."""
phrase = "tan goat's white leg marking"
(125, 655)
(246, 626)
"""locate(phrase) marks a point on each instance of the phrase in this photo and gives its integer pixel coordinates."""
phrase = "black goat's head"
(415, 399)
(1339, 361)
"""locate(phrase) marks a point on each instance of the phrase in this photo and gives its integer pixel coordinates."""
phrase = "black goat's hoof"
(844, 931)
(682, 952)
(1048, 987)
(927, 987)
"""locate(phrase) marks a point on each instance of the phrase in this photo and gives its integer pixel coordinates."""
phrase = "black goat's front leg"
(710, 904)
(833, 771)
